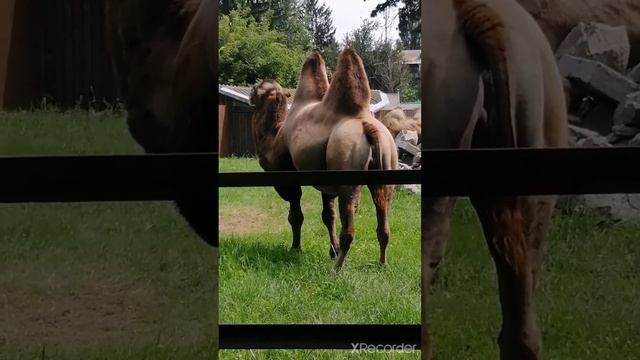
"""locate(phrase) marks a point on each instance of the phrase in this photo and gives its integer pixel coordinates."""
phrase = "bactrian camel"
(328, 127)
(490, 80)
(396, 120)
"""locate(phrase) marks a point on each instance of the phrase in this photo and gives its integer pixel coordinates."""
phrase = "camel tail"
(349, 91)
(485, 30)
(373, 137)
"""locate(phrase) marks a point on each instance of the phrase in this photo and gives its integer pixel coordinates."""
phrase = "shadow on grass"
(259, 256)
(266, 257)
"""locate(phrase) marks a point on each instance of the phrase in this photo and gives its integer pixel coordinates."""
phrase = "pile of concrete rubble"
(603, 103)
(409, 155)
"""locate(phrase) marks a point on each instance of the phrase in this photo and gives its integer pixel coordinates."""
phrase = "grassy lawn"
(98, 280)
(588, 302)
(262, 281)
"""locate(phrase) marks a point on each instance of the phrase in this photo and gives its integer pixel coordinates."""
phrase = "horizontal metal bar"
(316, 336)
(292, 178)
(107, 177)
(482, 171)
(446, 172)
(530, 171)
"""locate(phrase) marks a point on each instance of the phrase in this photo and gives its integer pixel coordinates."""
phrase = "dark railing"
(444, 173)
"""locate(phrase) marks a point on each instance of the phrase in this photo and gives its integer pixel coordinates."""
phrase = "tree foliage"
(409, 17)
(320, 24)
(382, 59)
(251, 50)
(363, 41)
(281, 15)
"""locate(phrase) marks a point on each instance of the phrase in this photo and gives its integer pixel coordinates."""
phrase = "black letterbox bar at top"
(302, 336)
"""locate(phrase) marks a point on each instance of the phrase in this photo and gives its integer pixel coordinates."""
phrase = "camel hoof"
(339, 262)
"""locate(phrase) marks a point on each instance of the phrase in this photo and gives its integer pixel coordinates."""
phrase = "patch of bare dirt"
(56, 314)
(242, 220)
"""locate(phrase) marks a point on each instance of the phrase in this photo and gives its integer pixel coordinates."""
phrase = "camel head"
(262, 91)
(270, 102)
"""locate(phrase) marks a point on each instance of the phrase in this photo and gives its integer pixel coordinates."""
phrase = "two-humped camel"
(396, 120)
(328, 127)
(162, 53)
(491, 55)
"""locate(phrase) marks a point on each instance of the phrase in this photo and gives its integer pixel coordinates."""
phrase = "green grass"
(98, 280)
(588, 301)
(263, 281)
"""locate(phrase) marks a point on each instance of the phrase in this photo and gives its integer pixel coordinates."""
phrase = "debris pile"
(603, 99)
(408, 155)
(603, 104)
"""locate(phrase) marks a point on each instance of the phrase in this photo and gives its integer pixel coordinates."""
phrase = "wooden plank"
(222, 109)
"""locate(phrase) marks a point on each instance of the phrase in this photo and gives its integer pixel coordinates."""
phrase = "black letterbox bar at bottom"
(303, 336)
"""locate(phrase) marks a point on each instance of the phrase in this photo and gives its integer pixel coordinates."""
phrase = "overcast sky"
(348, 16)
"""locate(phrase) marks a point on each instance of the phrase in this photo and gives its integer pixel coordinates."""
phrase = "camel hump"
(313, 83)
(486, 31)
(349, 90)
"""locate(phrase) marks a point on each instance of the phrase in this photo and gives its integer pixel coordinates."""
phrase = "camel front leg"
(436, 218)
(505, 233)
(292, 194)
(348, 203)
(329, 220)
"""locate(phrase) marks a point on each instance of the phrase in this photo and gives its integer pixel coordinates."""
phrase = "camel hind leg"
(329, 220)
(381, 195)
(348, 199)
(506, 235)
(540, 213)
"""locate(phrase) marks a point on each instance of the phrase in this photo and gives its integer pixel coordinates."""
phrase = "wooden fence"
(55, 50)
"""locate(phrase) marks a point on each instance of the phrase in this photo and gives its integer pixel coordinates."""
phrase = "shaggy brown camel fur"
(329, 127)
(558, 17)
(162, 55)
(493, 47)
(396, 120)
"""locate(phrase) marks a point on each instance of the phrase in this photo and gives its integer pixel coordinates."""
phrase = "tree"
(409, 22)
(319, 24)
(382, 61)
(390, 71)
(319, 19)
(282, 15)
(250, 51)
(363, 41)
